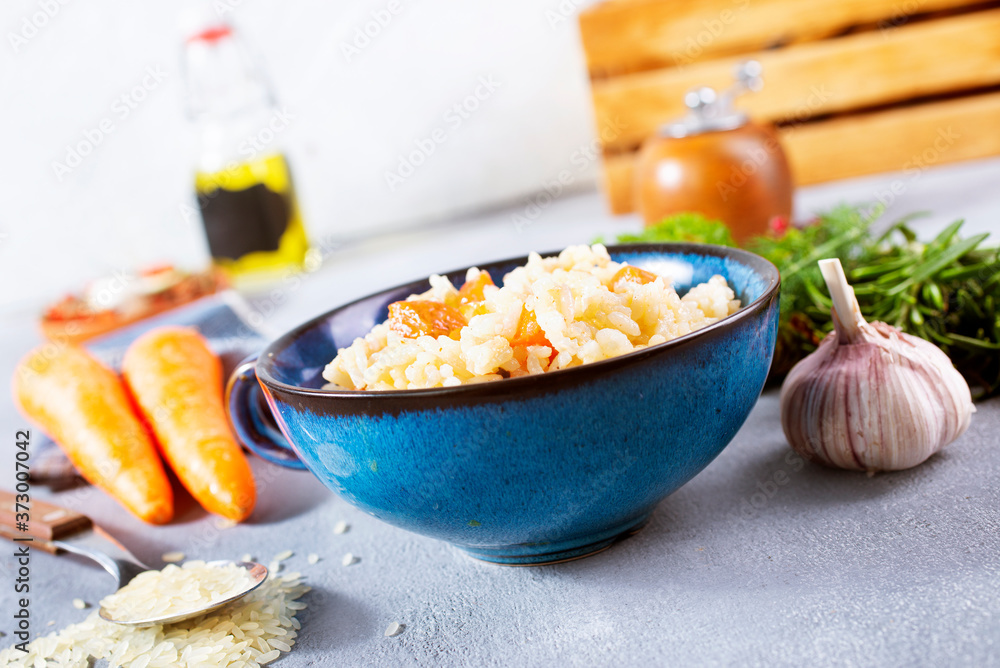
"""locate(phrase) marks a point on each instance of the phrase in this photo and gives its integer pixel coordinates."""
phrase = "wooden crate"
(855, 87)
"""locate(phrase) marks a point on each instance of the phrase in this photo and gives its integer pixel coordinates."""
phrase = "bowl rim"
(759, 264)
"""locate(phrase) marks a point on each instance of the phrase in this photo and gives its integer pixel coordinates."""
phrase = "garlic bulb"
(871, 397)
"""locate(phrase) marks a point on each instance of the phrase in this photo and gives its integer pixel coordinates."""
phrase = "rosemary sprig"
(946, 291)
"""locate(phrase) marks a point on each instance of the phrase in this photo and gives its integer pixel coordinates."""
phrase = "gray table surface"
(760, 560)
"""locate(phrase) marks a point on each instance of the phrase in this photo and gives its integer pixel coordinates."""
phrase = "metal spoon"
(56, 529)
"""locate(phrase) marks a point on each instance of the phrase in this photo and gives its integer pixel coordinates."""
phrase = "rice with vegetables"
(552, 313)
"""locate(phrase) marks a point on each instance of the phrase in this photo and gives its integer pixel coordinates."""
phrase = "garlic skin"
(872, 398)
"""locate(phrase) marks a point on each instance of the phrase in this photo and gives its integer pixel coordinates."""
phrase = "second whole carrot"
(84, 407)
(176, 381)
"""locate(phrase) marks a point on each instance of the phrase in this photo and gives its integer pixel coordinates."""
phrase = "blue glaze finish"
(536, 469)
(252, 421)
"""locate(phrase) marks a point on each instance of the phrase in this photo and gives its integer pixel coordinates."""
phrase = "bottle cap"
(710, 111)
(223, 80)
(194, 23)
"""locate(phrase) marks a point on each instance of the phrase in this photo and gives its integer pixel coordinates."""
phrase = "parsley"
(946, 291)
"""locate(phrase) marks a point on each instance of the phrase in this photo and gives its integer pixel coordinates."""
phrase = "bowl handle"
(251, 417)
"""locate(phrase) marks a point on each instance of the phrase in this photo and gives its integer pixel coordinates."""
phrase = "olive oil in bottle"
(252, 217)
(252, 220)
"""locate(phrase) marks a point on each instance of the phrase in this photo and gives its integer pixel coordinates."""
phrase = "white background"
(354, 115)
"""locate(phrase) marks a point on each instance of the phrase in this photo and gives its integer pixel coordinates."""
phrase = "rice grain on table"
(583, 312)
(231, 636)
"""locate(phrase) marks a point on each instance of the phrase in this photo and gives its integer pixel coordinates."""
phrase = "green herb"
(946, 291)
(686, 227)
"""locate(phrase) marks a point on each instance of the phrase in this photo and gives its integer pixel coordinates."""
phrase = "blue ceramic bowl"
(529, 470)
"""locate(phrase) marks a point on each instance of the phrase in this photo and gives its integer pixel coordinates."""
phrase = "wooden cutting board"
(854, 87)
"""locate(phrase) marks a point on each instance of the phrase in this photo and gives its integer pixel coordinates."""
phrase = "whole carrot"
(85, 408)
(176, 381)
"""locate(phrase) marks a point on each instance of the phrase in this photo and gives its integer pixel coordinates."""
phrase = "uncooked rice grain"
(341, 527)
(231, 636)
(172, 557)
(582, 311)
(176, 590)
(348, 559)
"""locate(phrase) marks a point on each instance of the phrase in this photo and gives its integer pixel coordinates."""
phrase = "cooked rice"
(249, 632)
(573, 302)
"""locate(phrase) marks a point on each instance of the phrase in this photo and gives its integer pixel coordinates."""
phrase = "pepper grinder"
(717, 162)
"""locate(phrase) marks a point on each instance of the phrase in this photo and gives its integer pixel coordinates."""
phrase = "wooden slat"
(631, 35)
(619, 178)
(897, 140)
(834, 75)
(905, 140)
